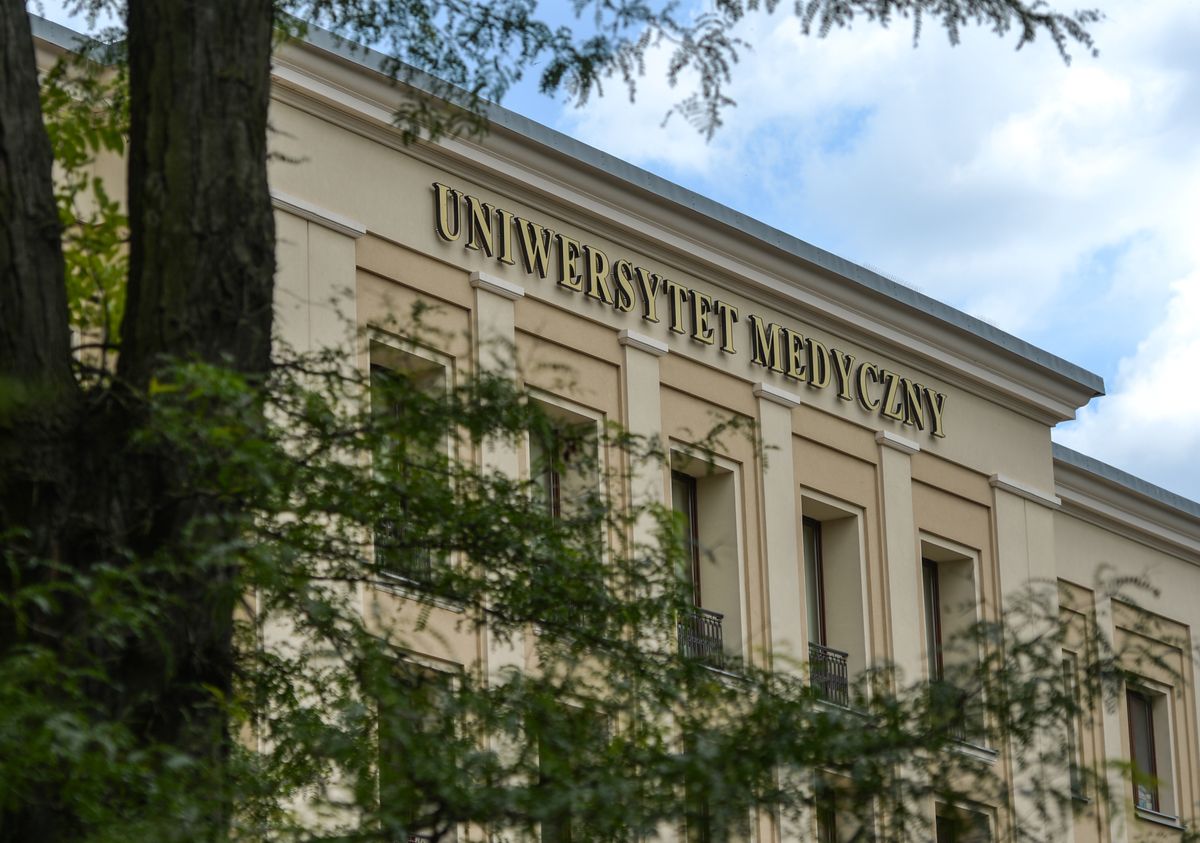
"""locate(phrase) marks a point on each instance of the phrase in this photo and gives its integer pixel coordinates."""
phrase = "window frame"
(388, 355)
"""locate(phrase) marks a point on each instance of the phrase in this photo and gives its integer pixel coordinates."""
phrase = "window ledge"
(403, 587)
(979, 753)
(1159, 819)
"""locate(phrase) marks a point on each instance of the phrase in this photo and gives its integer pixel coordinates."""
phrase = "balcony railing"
(700, 636)
(828, 673)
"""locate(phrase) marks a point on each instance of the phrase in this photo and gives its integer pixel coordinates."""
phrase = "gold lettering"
(623, 275)
(842, 364)
(702, 306)
(914, 410)
(677, 294)
(892, 408)
(506, 244)
(597, 275)
(444, 199)
(866, 370)
(937, 403)
(569, 274)
(728, 314)
(818, 364)
(535, 246)
(648, 286)
(479, 226)
(765, 348)
(793, 351)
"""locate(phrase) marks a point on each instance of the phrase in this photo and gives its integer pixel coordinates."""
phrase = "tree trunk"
(202, 257)
(202, 262)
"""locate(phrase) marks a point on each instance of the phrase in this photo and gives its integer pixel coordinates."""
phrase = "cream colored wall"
(1089, 554)
(391, 194)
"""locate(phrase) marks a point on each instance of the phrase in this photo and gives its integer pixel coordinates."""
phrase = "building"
(915, 466)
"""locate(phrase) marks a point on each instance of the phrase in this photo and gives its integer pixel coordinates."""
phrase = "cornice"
(497, 286)
(782, 397)
(314, 213)
(680, 229)
(1013, 487)
(1126, 505)
(651, 346)
(904, 445)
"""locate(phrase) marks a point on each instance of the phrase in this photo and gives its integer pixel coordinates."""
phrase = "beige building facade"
(911, 466)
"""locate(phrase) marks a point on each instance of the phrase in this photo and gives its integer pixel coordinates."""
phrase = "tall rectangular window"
(405, 461)
(814, 582)
(563, 462)
(1142, 750)
(933, 619)
(704, 498)
(1074, 727)
(683, 501)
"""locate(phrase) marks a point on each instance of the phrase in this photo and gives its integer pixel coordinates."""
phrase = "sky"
(1059, 203)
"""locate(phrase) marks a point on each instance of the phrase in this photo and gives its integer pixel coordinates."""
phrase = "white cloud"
(1054, 201)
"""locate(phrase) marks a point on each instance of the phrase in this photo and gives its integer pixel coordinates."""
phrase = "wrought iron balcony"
(829, 674)
(700, 636)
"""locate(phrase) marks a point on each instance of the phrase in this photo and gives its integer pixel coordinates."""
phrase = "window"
(704, 497)
(415, 719)
(814, 580)
(683, 500)
(948, 592)
(568, 744)
(933, 620)
(407, 459)
(827, 825)
(563, 460)
(834, 589)
(1142, 750)
(958, 825)
(1074, 727)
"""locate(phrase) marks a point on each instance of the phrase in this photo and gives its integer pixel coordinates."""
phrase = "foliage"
(261, 500)
(85, 108)
(471, 52)
(342, 736)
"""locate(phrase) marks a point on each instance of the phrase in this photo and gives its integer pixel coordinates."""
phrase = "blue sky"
(1060, 203)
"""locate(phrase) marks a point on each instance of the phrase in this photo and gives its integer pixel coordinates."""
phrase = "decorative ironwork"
(700, 636)
(829, 674)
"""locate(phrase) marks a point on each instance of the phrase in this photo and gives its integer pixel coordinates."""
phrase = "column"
(788, 646)
(780, 513)
(900, 553)
(1023, 520)
(495, 351)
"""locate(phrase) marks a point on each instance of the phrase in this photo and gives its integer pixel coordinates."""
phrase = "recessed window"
(563, 460)
(834, 585)
(413, 719)
(959, 825)
(1143, 751)
(409, 460)
(704, 498)
(950, 612)
(1074, 727)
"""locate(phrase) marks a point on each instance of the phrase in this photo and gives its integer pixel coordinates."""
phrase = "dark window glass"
(814, 585)
(1074, 729)
(1141, 743)
(683, 500)
(933, 619)
(407, 465)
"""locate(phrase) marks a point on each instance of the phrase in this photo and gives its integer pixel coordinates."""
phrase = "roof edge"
(565, 146)
(1125, 481)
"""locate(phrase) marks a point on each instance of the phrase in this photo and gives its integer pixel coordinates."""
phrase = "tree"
(141, 503)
